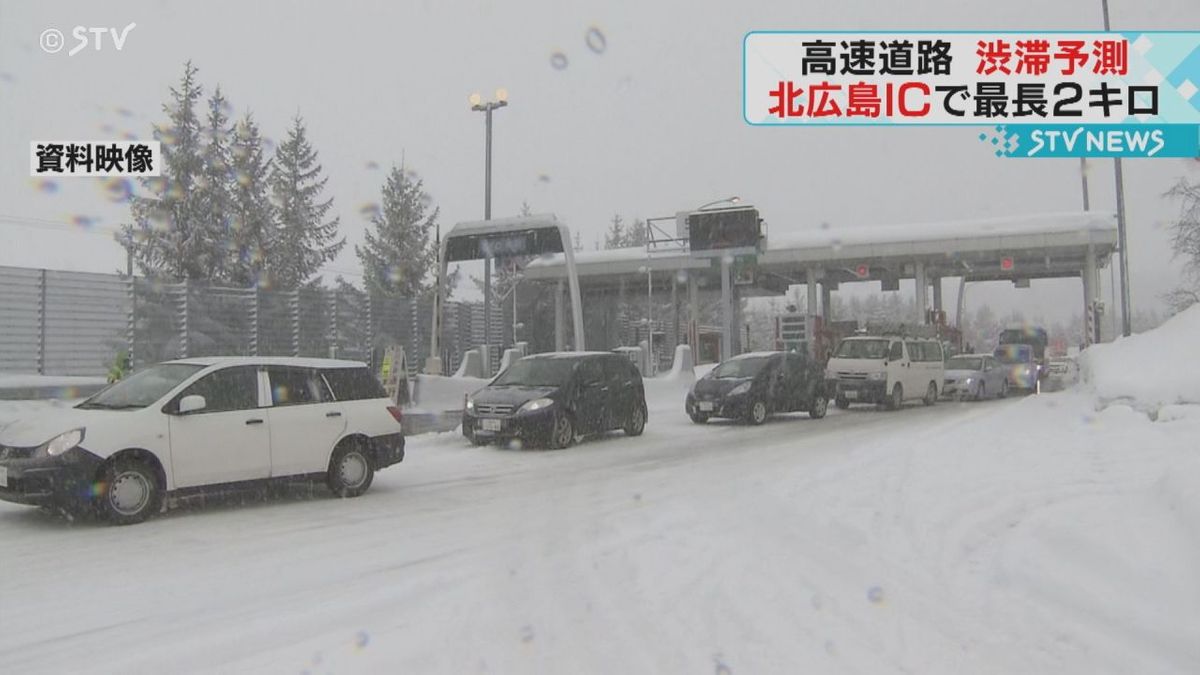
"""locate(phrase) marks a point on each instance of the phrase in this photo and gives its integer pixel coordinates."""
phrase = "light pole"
(486, 107)
(1122, 242)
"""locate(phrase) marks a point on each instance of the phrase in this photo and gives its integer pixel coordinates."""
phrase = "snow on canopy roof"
(822, 237)
(1048, 223)
(498, 225)
(594, 257)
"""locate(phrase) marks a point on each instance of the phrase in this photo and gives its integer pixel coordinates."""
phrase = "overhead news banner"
(1042, 94)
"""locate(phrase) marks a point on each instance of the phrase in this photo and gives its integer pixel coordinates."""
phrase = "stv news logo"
(52, 40)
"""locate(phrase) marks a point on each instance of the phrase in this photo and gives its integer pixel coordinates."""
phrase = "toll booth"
(792, 332)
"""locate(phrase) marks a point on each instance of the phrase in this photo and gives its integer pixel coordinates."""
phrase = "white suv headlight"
(537, 404)
(64, 442)
(470, 404)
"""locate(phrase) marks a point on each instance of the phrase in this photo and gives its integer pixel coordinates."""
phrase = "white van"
(887, 370)
(194, 423)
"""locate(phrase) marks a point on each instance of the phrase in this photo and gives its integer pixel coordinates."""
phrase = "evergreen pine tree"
(252, 216)
(304, 240)
(166, 238)
(636, 234)
(398, 258)
(615, 237)
(213, 190)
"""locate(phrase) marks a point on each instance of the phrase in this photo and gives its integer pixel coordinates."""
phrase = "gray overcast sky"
(650, 126)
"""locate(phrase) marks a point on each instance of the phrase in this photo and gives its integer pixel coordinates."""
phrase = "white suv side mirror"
(192, 403)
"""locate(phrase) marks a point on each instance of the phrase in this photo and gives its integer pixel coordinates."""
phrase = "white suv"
(885, 370)
(184, 425)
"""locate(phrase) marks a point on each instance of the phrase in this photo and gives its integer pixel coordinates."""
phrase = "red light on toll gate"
(862, 271)
(1006, 263)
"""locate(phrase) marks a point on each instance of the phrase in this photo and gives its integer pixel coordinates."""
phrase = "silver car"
(1061, 373)
(975, 376)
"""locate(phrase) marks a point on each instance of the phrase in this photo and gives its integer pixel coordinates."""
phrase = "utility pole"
(1122, 240)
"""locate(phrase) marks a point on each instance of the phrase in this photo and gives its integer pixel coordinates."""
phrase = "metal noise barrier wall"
(76, 323)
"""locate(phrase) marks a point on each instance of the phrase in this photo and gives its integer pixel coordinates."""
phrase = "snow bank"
(435, 393)
(682, 368)
(1149, 370)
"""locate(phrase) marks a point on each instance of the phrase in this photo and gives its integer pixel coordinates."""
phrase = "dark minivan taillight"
(396, 413)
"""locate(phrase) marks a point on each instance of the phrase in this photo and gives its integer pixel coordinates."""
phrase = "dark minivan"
(752, 386)
(551, 399)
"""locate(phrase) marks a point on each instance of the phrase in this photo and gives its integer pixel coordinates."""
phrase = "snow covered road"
(960, 538)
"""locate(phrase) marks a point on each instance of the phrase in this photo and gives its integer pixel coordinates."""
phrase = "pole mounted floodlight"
(480, 105)
(487, 107)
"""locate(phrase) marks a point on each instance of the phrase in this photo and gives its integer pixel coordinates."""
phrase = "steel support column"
(922, 288)
(693, 338)
(726, 311)
(559, 338)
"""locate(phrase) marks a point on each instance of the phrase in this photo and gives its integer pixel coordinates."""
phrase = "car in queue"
(975, 377)
(551, 400)
(1061, 372)
(1020, 364)
(185, 426)
(885, 370)
(1035, 336)
(751, 387)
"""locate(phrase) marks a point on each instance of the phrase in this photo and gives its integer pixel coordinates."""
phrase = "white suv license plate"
(850, 394)
(490, 425)
(3, 476)
(706, 406)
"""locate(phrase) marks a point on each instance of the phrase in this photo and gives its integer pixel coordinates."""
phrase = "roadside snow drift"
(1151, 369)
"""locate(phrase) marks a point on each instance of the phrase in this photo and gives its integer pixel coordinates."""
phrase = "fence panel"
(275, 323)
(218, 321)
(20, 317)
(314, 323)
(87, 321)
(73, 323)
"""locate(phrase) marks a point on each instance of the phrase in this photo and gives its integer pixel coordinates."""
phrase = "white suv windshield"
(142, 388)
(862, 349)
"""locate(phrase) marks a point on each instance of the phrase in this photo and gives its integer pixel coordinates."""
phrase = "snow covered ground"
(1047, 534)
